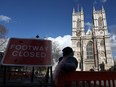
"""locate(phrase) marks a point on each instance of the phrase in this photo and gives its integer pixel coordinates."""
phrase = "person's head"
(68, 51)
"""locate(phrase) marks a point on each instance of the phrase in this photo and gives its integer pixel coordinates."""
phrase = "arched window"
(78, 44)
(89, 49)
(102, 43)
(78, 24)
(100, 22)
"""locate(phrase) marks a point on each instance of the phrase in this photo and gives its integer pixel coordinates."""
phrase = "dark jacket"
(70, 64)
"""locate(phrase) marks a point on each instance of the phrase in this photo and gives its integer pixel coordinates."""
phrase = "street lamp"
(37, 36)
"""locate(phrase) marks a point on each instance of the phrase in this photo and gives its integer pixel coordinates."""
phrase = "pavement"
(24, 83)
(31, 84)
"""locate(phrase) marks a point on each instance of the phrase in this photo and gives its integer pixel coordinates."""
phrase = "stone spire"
(93, 9)
(103, 8)
(73, 10)
(81, 9)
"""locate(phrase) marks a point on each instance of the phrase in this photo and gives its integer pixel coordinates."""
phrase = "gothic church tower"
(92, 49)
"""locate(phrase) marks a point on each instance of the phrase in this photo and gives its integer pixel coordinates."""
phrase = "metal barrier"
(20, 78)
(88, 79)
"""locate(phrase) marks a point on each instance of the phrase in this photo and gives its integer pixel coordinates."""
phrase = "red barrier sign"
(28, 52)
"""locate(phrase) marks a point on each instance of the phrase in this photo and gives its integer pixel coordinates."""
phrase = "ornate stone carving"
(78, 32)
(78, 54)
(102, 53)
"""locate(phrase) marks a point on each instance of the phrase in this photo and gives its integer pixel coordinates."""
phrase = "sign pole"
(4, 76)
(47, 75)
(51, 74)
(32, 75)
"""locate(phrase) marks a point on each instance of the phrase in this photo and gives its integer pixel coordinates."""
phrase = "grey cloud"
(88, 24)
(113, 29)
(113, 43)
(5, 19)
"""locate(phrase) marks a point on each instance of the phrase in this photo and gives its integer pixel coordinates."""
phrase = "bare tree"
(55, 50)
(3, 31)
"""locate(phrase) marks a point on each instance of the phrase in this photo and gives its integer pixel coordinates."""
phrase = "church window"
(89, 49)
(102, 43)
(78, 24)
(100, 22)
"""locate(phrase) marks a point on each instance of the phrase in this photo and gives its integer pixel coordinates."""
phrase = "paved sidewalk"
(25, 85)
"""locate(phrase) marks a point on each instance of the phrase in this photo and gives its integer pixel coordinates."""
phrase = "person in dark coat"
(66, 64)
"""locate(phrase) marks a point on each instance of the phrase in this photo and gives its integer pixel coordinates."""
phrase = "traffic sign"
(35, 52)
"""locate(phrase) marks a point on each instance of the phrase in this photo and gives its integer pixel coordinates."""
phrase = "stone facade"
(92, 48)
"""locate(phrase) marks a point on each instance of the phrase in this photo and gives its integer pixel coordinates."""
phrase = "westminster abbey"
(92, 48)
